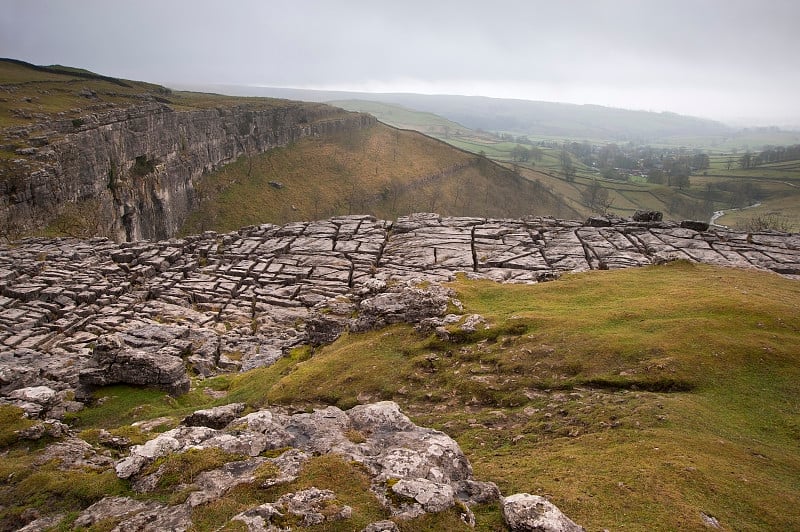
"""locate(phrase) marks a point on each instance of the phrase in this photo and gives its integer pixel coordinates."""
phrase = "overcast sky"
(724, 59)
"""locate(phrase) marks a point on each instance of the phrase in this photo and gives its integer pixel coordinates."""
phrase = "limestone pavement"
(225, 302)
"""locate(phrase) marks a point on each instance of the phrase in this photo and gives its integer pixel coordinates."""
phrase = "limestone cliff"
(136, 167)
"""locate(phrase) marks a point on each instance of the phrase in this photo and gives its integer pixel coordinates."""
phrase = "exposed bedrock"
(142, 164)
(91, 312)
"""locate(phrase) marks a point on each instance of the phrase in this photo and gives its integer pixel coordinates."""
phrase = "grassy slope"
(34, 95)
(634, 399)
(381, 171)
(778, 187)
(626, 198)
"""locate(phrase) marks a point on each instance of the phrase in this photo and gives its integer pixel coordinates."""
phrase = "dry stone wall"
(78, 313)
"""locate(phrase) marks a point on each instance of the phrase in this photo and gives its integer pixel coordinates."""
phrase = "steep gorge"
(132, 172)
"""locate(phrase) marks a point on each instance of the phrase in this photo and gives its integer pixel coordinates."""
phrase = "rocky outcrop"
(140, 165)
(309, 507)
(403, 304)
(414, 470)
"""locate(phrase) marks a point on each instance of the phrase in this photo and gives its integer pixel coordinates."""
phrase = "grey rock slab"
(427, 496)
(531, 513)
(311, 506)
(216, 418)
(42, 395)
(74, 453)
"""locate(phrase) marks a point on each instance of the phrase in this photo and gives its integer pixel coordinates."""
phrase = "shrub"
(766, 222)
(142, 166)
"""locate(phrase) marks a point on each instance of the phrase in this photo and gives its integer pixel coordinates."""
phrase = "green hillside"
(381, 171)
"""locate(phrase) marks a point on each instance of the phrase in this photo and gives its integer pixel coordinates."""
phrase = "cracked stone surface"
(413, 470)
(225, 302)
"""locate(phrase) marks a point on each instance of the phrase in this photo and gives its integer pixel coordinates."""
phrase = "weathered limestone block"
(408, 305)
(311, 506)
(136, 515)
(531, 513)
(41, 395)
(215, 418)
(382, 526)
(422, 496)
(116, 363)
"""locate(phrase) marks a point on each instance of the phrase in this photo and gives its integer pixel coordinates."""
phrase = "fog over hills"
(521, 117)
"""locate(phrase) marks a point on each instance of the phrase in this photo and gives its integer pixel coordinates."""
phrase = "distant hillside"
(523, 117)
(83, 154)
(401, 117)
(561, 119)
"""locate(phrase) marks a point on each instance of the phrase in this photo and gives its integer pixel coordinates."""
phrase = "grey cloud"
(740, 48)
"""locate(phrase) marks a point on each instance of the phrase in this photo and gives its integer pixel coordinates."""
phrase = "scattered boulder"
(41, 395)
(41, 402)
(52, 428)
(114, 442)
(415, 497)
(162, 445)
(268, 424)
(695, 225)
(324, 329)
(215, 418)
(531, 513)
(74, 453)
(108, 508)
(598, 221)
(710, 521)
(48, 522)
(381, 526)
(409, 304)
(116, 363)
(472, 322)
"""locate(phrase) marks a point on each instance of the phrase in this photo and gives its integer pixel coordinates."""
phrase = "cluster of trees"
(597, 197)
(663, 166)
(520, 153)
(770, 154)
(567, 167)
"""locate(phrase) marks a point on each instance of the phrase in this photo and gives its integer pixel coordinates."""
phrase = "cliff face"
(136, 168)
